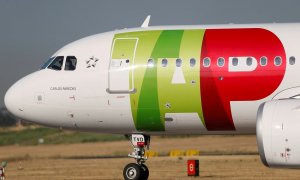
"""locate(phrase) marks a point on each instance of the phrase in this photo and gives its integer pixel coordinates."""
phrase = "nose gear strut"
(138, 170)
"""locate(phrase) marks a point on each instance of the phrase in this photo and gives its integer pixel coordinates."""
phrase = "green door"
(120, 78)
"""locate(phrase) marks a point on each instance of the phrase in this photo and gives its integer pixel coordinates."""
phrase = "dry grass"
(54, 162)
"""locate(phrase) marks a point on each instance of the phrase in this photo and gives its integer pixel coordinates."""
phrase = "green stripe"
(191, 46)
(185, 97)
(148, 112)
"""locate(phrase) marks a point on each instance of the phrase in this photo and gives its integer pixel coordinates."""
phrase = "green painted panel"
(124, 48)
(191, 48)
(148, 115)
(182, 97)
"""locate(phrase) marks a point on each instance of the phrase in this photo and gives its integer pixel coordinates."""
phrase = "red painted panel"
(216, 94)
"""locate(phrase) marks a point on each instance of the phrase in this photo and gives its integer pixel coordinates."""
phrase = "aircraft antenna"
(146, 22)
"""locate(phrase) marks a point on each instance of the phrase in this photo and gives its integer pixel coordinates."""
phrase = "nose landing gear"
(138, 170)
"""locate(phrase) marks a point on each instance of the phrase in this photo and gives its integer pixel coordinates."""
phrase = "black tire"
(145, 172)
(133, 171)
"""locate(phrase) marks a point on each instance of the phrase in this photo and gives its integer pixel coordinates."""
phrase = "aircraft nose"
(13, 100)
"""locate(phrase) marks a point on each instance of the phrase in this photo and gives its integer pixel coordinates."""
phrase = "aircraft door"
(120, 78)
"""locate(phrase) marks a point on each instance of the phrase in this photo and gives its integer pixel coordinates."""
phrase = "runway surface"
(106, 160)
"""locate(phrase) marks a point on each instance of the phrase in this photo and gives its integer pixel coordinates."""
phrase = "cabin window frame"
(292, 60)
(261, 59)
(235, 61)
(277, 61)
(206, 59)
(192, 62)
(164, 64)
(178, 62)
(219, 60)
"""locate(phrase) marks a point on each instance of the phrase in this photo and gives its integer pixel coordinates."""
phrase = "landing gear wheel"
(137, 171)
(145, 172)
(133, 171)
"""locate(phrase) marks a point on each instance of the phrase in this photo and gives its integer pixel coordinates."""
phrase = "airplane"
(166, 80)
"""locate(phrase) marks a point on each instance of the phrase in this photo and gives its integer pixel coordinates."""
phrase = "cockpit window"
(46, 64)
(56, 63)
(71, 62)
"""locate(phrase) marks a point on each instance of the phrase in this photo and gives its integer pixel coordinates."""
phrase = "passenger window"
(235, 61)
(249, 61)
(221, 62)
(192, 62)
(150, 63)
(164, 63)
(292, 60)
(263, 61)
(206, 62)
(71, 62)
(178, 62)
(277, 61)
(57, 63)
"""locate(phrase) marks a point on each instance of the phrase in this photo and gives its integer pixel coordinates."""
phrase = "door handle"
(168, 119)
(121, 91)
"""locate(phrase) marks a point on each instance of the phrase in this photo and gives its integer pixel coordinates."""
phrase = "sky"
(32, 30)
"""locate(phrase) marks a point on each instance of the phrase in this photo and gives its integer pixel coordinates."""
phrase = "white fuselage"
(79, 99)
